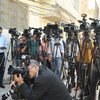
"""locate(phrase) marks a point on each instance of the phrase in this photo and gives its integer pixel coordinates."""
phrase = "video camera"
(27, 33)
(52, 30)
(70, 28)
(96, 26)
(38, 32)
(13, 32)
(84, 26)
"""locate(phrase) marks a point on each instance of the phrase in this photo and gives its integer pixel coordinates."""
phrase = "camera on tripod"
(52, 30)
(70, 28)
(95, 25)
(38, 32)
(13, 32)
(27, 33)
(84, 26)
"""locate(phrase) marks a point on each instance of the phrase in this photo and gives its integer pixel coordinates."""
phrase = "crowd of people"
(46, 60)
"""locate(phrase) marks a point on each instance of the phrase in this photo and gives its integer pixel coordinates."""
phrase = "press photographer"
(35, 44)
(22, 49)
(45, 85)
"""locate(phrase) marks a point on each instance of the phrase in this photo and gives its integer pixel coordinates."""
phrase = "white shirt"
(3, 42)
(54, 48)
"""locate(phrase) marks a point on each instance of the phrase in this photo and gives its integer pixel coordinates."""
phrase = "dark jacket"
(46, 87)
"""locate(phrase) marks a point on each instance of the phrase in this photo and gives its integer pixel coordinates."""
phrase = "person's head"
(24, 38)
(34, 36)
(0, 30)
(33, 68)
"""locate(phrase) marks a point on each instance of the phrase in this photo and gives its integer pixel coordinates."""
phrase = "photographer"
(22, 49)
(84, 59)
(35, 46)
(3, 46)
(46, 85)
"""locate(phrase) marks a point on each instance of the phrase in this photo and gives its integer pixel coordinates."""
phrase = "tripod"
(71, 48)
(95, 76)
(84, 66)
(57, 57)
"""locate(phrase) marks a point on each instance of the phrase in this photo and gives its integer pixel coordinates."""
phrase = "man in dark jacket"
(46, 85)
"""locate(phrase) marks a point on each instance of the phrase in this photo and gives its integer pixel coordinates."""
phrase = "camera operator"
(3, 46)
(35, 45)
(46, 86)
(22, 49)
(58, 53)
(84, 59)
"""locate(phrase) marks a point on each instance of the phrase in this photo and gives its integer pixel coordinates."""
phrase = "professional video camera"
(52, 30)
(96, 26)
(27, 33)
(70, 28)
(38, 31)
(13, 32)
(85, 27)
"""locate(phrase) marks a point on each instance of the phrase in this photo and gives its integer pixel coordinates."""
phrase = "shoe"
(2, 86)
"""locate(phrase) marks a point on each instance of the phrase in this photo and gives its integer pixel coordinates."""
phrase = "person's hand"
(12, 83)
(19, 79)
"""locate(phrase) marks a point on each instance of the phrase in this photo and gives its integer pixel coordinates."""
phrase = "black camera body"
(52, 30)
(18, 70)
(70, 28)
(84, 26)
(96, 26)
(13, 32)
(27, 33)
